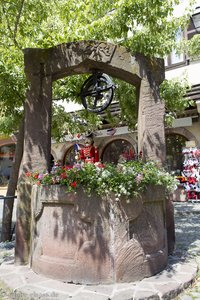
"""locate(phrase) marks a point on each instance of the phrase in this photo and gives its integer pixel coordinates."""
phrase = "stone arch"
(108, 141)
(43, 66)
(69, 151)
(182, 131)
(122, 142)
(83, 57)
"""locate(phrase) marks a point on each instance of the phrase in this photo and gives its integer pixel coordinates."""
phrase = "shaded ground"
(188, 244)
(188, 234)
(5, 294)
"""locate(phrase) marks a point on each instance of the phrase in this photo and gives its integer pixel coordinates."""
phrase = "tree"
(191, 47)
(40, 23)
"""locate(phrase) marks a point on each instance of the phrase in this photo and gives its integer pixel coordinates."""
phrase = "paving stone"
(14, 281)
(88, 296)
(186, 278)
(168, 291)
(102, 289)
(71, 289)
(143, 285)
(126, 295)
(147, 295)
(185, 297)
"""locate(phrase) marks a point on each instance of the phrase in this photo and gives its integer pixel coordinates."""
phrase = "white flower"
(129, 170)
(105, 174)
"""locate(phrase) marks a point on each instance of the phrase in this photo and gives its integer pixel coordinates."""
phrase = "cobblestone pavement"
(187, 220)
(6, 253)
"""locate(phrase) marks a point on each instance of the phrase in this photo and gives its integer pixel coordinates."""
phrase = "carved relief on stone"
(102, 52)
(75, 53)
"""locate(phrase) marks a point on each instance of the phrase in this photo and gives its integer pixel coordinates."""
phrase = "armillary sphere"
(97, 92)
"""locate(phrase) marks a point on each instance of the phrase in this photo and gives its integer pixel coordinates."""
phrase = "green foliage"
(60, 122)
(147, 27)
(192, 47)
(173, 93)
(69, 88)
(9, 124)
(84, 121)
(72, 123)
(124, 180)
(126, 95)
(12, 95)
(40, 23)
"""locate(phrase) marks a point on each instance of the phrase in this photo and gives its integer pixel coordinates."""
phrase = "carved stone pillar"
(37, 135)
(36, 157)
(151, 131)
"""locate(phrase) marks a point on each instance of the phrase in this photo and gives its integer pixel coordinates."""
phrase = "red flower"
(73, 184)
(68, 167)
(36, 176)
(101, 166)
(38, 182)
(63, 175)
(28, 174)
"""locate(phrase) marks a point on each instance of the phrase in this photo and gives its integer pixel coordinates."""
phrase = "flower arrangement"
(126, 179)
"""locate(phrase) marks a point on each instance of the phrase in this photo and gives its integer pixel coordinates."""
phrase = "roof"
(194, 93)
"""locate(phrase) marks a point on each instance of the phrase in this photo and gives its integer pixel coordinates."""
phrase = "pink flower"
(139, 178)
(40, 176)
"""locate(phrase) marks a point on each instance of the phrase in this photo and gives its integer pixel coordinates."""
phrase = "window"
(175, 59)
(174, 156)
(69, 158)
(51, 161)
(191, 31)
(118, 150)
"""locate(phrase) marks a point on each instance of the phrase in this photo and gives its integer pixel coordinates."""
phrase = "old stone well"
(73, 237)
(95, 240)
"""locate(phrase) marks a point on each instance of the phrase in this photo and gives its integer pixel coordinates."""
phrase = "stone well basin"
(91, 240)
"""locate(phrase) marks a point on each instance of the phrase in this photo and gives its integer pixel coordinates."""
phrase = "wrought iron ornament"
(97, 92)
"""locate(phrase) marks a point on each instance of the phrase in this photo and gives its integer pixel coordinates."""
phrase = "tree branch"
(13, 34)
(17, 21)
(7, 20)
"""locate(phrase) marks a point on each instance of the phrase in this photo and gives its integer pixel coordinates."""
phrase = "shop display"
(191, 173)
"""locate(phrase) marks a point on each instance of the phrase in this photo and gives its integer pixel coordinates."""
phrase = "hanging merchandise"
(191, 173)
